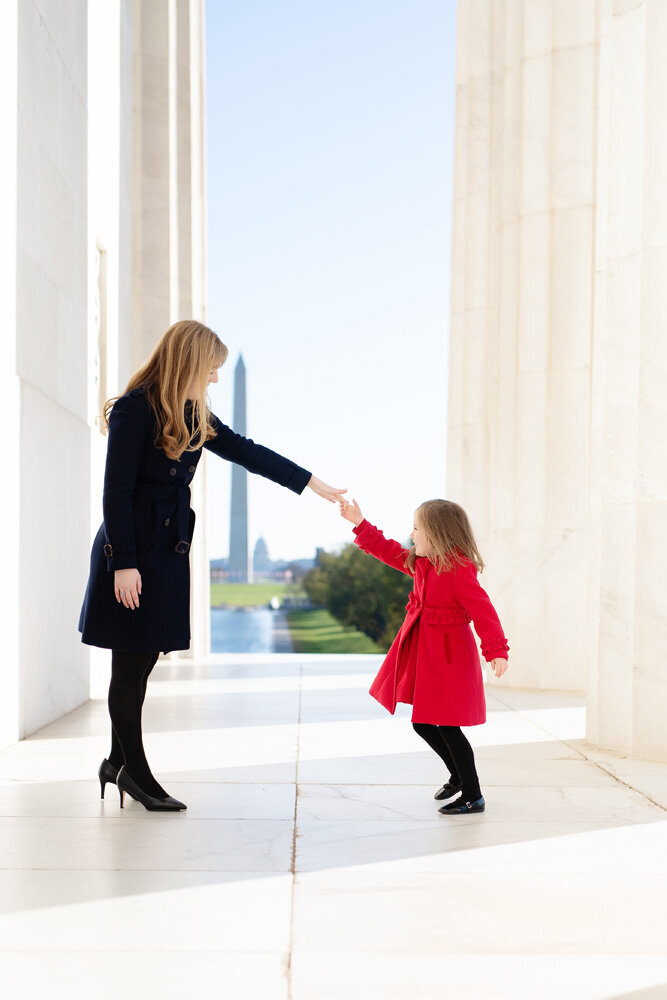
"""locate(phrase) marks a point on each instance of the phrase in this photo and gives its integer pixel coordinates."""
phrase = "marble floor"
(312, 864)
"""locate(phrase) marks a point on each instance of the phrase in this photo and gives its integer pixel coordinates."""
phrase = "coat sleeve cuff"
(299, 480)
(124, 560)
(495, 652)
(121, 558)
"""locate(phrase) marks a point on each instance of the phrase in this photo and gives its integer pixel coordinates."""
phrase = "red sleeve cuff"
(495, 652)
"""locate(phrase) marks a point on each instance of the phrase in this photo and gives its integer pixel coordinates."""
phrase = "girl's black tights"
(127, 690)
(455, 751)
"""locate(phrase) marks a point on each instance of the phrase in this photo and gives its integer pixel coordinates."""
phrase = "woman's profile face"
(212, 377)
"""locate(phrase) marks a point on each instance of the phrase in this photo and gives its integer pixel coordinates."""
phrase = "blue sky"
(330, 176)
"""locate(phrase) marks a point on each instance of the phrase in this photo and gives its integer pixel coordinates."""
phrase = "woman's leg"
(464, 761)
(129, 675)
(436, 742)
(116, 753)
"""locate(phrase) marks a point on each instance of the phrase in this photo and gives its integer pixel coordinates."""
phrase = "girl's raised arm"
(370, 539)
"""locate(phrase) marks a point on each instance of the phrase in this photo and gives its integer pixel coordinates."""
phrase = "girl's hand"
(351, 512)
(499, 666)
(329, 493)
(127, 582)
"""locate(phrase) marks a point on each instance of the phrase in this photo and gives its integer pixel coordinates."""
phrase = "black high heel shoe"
(106, 772)
(127, 784)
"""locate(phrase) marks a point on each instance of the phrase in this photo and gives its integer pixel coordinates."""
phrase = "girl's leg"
(435, 740)
(129, 675)
(115, 757)
(464, 761)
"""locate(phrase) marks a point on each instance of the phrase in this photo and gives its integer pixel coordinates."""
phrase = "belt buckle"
(108, 553)
(182, 551)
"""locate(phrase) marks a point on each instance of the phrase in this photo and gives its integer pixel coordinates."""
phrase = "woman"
(156, 433)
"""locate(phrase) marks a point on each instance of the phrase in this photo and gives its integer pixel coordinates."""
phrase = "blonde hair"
(448, 533)
(182, 357)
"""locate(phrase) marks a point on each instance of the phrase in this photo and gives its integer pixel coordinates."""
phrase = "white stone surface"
(336, 877)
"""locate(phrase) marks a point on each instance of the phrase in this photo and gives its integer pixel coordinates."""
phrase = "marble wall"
(51, 333)
(82, 83)
(9, 381)
(555, 369)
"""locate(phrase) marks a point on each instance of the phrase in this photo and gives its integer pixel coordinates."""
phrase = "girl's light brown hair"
(448, 533)
(183, 357)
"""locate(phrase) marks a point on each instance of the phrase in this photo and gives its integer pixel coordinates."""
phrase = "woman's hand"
(329, 493)
(351, 511)
(499, 666)
(127, 587)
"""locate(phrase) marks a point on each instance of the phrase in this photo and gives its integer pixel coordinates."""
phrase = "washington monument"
(238, 533)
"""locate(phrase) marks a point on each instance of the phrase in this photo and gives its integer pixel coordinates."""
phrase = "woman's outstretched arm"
(265, 462)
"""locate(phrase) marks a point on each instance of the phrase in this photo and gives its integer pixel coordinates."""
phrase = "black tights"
(455, 751)
(127, 690)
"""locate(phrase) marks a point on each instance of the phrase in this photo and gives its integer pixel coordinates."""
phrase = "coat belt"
(437, 615)
(180, 494)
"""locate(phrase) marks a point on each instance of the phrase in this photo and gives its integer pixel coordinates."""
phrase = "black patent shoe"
(127, 784)
(460, 805)
(446, 792)
(106, 772)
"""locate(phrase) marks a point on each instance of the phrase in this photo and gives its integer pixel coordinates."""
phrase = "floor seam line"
(294, 835)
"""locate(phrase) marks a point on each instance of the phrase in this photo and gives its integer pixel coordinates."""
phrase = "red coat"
(433, 663)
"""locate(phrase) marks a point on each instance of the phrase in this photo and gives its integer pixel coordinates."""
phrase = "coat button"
(172, 472)
(166, 522)
(191, 469)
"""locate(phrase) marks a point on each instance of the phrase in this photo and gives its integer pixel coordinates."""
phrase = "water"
(248, 631)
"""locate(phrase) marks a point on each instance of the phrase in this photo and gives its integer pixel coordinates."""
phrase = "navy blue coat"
(148, 524)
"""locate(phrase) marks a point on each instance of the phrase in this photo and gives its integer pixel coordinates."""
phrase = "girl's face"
(422, 548)
(212, 377)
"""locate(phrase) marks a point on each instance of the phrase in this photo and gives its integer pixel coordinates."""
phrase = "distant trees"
(297, 570)
(361, 591)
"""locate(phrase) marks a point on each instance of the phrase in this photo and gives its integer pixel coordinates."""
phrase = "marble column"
(628, 694)
(193, 293)
(521, 318)
(153, 129)
(557, 367)
(168, 214)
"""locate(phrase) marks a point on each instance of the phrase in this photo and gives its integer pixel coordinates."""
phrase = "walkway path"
(312, 863)
(281, 637)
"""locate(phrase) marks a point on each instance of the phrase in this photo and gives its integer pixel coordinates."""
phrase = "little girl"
(433, 663)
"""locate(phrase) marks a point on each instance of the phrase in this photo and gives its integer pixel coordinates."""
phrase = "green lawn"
(247, 595)
(319, 632)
